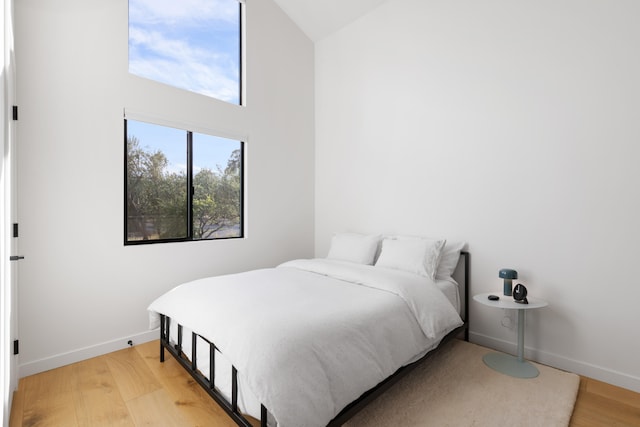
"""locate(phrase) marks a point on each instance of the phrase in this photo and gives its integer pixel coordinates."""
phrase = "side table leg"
(520, 335)
(515, 366)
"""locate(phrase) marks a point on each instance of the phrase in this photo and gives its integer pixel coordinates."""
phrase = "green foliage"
(157, 199)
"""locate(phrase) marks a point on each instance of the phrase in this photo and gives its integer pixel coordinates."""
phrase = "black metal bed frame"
(231, 408)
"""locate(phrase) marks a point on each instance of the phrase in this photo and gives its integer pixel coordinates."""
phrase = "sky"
(193, 45)
(189, 44)
(208, 151)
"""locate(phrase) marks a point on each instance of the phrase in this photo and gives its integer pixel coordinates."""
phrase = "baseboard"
(560, 362)
(64, 359)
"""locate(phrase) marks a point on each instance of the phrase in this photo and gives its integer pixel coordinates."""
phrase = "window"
(181, 185)
(194, 45)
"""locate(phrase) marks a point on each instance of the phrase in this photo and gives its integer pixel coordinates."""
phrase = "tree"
(216, 201)
(157, 198)
(142, 166)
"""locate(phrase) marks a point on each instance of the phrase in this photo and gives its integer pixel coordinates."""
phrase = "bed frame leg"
(234, 389)
(162, 337)
(194, 351)
(212, 366)
(263, 416)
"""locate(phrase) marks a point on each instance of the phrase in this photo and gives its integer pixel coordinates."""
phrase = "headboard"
(462, 275)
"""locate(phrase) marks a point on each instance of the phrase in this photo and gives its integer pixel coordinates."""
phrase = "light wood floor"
(132, 388)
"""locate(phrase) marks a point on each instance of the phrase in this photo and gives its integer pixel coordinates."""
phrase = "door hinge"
(15, 230)
(16, 347)
(15, 257)
(15, 112)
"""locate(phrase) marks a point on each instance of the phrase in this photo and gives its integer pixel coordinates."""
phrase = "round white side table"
(506, 363)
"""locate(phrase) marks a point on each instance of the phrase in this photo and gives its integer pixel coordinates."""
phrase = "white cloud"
(161, 48)
(184, 11)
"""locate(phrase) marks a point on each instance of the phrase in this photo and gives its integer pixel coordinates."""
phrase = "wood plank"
(150, 353)
(593, 410)
(48, 399)
(17, 408)
(131, 373)
(156, 409)
(622, 395)
(97, 397)
(597, 406)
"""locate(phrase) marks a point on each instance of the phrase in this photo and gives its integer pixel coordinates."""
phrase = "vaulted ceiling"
(319, 18)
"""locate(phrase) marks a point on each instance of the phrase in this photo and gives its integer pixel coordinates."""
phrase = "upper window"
(194, 45)
(181, 185)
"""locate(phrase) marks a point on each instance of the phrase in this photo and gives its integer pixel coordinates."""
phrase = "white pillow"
(449, 259)
(412, 254)
(354, 247)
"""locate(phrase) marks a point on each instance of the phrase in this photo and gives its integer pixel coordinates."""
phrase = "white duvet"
(310, 336)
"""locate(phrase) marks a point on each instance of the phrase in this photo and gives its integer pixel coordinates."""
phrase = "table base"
(510, 365)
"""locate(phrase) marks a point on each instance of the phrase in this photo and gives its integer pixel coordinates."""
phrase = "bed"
(312, 341)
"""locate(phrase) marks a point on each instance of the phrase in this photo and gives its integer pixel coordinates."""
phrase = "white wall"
(512, 125)
(82, 292)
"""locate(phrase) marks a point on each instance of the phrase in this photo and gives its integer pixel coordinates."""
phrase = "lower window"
(181, 185)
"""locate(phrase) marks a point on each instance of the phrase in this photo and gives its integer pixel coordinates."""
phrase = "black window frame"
(190, 193)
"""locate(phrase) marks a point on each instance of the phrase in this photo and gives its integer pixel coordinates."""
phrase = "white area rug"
(455, 388)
